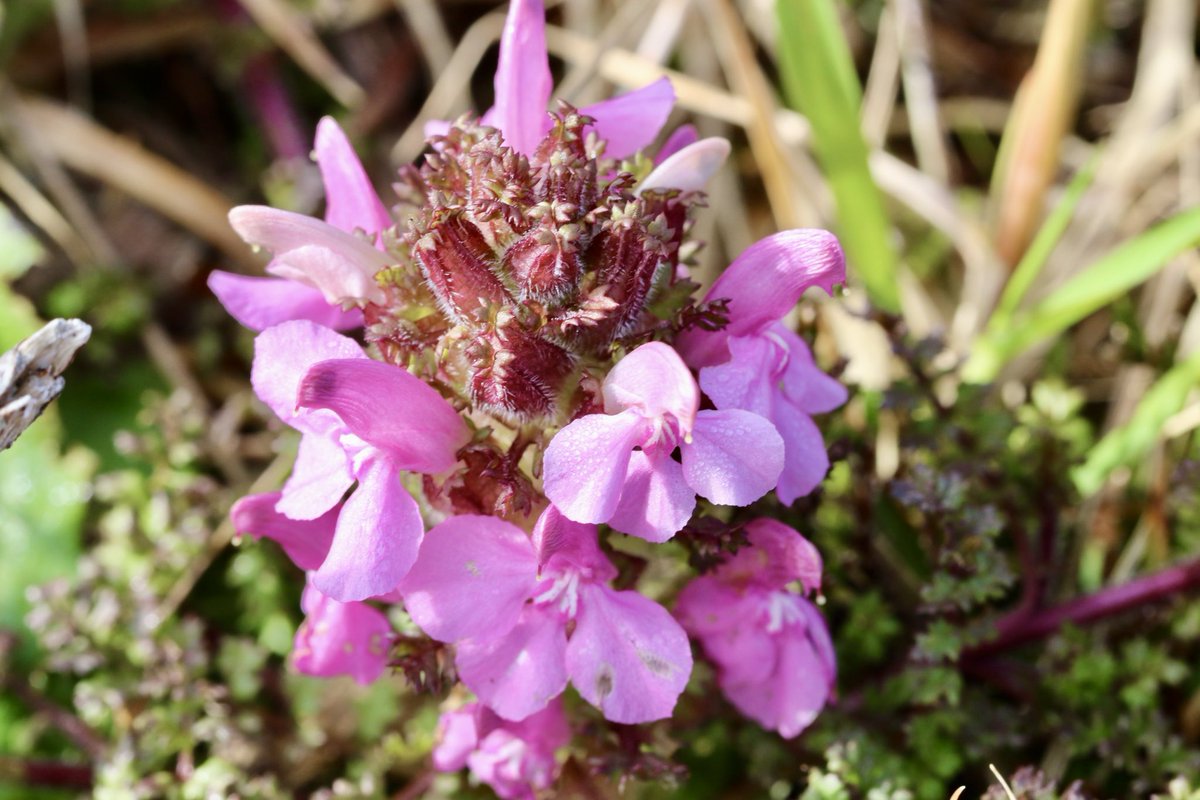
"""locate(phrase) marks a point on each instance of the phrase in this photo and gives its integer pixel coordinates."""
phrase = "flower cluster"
(534, 364)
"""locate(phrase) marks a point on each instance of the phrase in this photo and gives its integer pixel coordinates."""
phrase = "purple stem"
(1023, 626)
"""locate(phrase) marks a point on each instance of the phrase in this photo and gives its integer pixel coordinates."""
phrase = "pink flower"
(477, 584)
(617, 467)
(351, 204)
(515, 758)
(757, 364)
(361, 420)
(341, 638)
(770, 645)
(523, 84)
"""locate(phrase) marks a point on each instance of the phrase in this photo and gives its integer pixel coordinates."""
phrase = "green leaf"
(1127, 444)
(1120, 270)
(819, 81)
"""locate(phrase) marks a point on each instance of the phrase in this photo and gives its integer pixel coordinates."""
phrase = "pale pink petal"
(585, 464)
(340, 265)
(747, 380)
(389, 408)
(520, 672)
(523, 82)
(792, 696)
(680, 138)
(734, 458)
(777, 555)
(511, 766)
(350, 199)
(810, 389)
(282, 355)
(471, 579)
(341, 639)
(690, 169)
(763, 284)
(654, 380)
(558, 539)
(656, 501)
(805, 458)
(320, 478)
(378, 534)
(259, 303)
(456, 737)
(627, 656)
(305, 542)
(631, 121)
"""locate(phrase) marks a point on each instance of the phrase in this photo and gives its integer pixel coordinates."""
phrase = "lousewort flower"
(770, 644)
(535, 362)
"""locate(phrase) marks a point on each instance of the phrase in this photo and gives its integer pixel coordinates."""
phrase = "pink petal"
(631, 121)
(777, 556)
(708, 606)
(763, 284)
(654, 380)
(680, 138)
(341, 639)
(585, 464)
(747, 380)
(656, 501)
(456, 737)
(547, 730)
(690, 169)
(378, 534)
(558, 539)
(523, 82)
(471, 579)
(627, 656)
(340, 265)
(735, 457)
(810, 389)
(805, 458)
(520, 672)
(818, 634)
(350, 199)
(282, 355)
(320, 479)
(744, 653)
(792, 696)
(259, 303)
(388, 408)
(305, 542)
(436, 127)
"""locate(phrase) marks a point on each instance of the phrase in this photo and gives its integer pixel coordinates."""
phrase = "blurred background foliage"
(1012, 521)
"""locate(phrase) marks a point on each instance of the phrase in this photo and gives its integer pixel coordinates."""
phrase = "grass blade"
(819, 81)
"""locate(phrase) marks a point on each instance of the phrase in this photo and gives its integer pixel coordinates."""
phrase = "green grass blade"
(819, 81)
(1035, 257)
(1128, 444)
(1120, 270)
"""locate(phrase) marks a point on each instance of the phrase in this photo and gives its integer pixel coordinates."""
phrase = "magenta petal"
(818, 635)
(654, 380)
(804, 384)
(471, 579)
(585, 464)
(627, 656)
(735, 457)
(340, 265)
(378, 534)
(320, 478)
(656, 501)
(558, 539)
(456, 737)
(341, 639)
(792, 696)
(631, 121)
(805, 458)
(746, 380)
(777, 556)
(523, 82)
(259, 303)
(389, 408)
(690, 169)
(708, 606)
(744, 653)
(680, 138)
(520, 672)
(305, 542)
(350, 199)
(282, 355)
